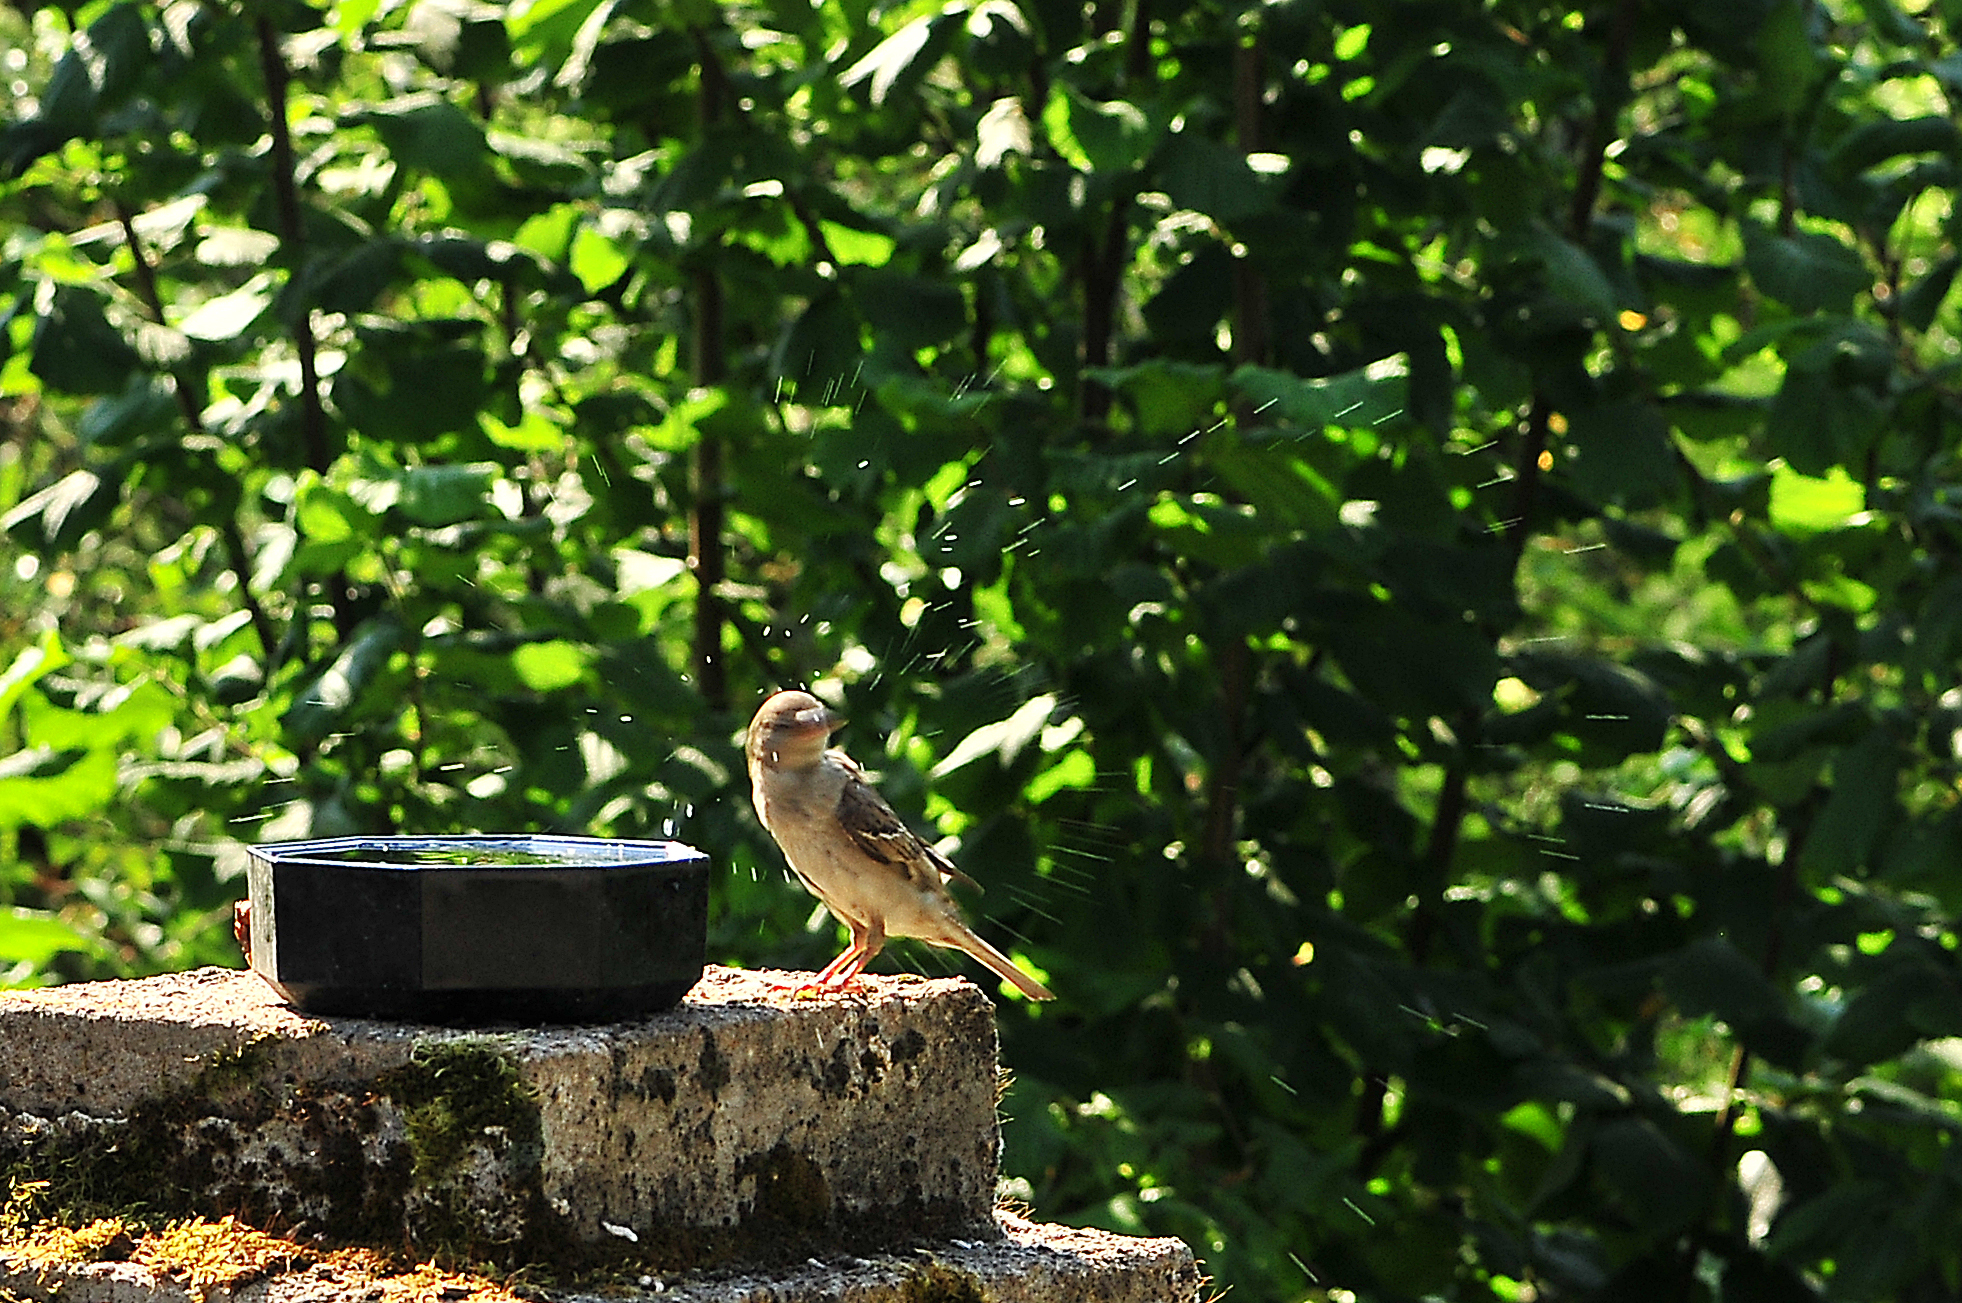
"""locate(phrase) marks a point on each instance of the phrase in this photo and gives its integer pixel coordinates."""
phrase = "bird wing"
(876, 830)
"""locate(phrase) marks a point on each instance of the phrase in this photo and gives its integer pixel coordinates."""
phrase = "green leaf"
(96, 72)
(1411, 665)
(1788, 65)
(1277, 479)
(1613, 711)
(34, 937)
(435, 496)
(460, 38)
(1862, 806)
(549, 232)
(1574, 277)
(1622, 454)
(330, 701)
(1102, 137)
(902, 58)
(1206, 176)
(906, 311)
(1202, 526)
(1824, 416)
(1875, 1024)
(854, 246)
(327, 515)
(413, 385)
(1878, 140)
(1711, 978)
(229, 316)
(1801, 504)
(551, 666)
(1005, 739)
(1169, 397)
(1366, 396)
(598, 259)
(76, 349)
(145, 407)
(64, 511)
(46, 787)
(427, 132)
(1660, 1180)
(1807, 271)
(819, 353)
(1922, 300)
(29, 665)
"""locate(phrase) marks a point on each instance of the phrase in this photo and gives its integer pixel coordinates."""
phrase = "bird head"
(790, 729)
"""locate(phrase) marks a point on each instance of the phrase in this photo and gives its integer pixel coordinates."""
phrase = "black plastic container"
(481, 928)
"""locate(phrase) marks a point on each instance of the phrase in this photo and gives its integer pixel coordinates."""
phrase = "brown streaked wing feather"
(946, 866)
(882, 834)
(877, 831)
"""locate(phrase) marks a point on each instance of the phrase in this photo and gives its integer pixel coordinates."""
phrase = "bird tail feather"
(1004, 967)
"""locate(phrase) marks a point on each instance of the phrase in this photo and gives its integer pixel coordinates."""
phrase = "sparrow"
(849, 849)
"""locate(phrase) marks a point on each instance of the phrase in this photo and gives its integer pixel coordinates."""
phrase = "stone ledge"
(1026, 1263)
(743, 1125)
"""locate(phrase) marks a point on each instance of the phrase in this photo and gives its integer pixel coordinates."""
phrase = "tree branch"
(705, 517)
(236, 554)
(292, 234)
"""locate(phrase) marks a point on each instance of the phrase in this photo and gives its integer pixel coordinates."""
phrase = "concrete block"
(743, 1125)
(1022, 1263)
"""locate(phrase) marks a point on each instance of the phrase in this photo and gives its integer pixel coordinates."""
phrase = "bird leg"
(841, 974)
(827, 978)
(830, 971)
(867, 942)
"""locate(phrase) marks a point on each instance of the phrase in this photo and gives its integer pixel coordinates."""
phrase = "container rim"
(549, 851)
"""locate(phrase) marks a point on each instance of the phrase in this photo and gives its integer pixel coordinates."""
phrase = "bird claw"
(813, 988)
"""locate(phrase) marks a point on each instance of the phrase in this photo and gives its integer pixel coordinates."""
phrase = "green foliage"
(1412, 545)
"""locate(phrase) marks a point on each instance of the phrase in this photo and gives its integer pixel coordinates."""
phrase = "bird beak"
(820, 717)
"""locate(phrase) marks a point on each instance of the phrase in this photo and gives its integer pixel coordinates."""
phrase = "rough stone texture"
(744, 1124)
(1025, 1264)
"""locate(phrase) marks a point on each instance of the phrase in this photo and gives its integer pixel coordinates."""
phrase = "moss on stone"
(452, 1093)
(936, 1283)
(48, 1246)
(465, 1104)
(232, 1067)
(207, 1255)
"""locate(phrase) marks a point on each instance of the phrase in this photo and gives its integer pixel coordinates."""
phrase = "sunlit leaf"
(37, 936)
(1103, 137)
(228, 316)
(1801, 504)
(62, 512)
(47, 787)
(1005, 739)
(893, 60)
(551, 666)
(30, 664)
